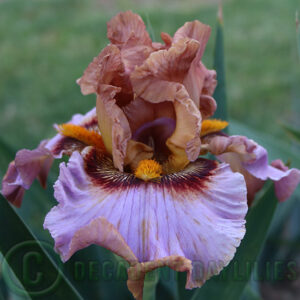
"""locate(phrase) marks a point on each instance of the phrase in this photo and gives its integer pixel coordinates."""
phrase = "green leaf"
(29, 261)
(298, 34)
(167, 288)
(293, 132)
(219, 66)
(149, 27)
(150, 283)
(250, 294)
(233, 279)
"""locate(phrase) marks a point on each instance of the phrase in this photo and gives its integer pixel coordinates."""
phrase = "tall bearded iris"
(135, 183)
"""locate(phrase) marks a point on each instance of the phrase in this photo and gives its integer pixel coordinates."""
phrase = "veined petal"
(125, 26)
(208, 106)
(249, 158)
(137, 272)
(158, 80)
(166, 38)
(289, 181)
(108, 68)
(12, 185)
(134, 54)
(164, 67)
(60, 144)
(207, 198)
(28, 165)
(113, 125)
(104, 68)
(286, 180)
(200, 84)
(31, 164)
(199, 81)
(193, 30)
(139, 112)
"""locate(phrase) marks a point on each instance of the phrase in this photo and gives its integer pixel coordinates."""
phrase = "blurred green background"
(46, 44)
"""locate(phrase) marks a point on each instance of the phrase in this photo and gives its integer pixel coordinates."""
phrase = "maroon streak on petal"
(67, 146)
(194, 178)
(197, 214)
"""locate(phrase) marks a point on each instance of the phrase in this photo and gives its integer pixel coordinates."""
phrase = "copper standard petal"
(113, 125)
(127, 25)
(158, 80)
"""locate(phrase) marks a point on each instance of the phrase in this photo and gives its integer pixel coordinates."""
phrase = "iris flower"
(135, 182)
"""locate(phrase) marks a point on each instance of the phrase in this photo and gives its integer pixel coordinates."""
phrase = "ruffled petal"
(249, 158)
(208, 106)
(109, 68)
(199, 81)
(200, 84)
(125, 26)
(134, 54)
(162, 69)
(61, 145)
(137, 273)
(158, 80)
(185, 142)
(139, 112)
(12, 186)
(28, 165)
(167, 39)
(193, 30)
(31, 164)
(113, 125)
(104, 69)
(197, 214)
(285, 186)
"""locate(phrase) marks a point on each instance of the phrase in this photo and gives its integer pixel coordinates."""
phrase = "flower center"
(148, 169)
(88, 137)
(155, 135)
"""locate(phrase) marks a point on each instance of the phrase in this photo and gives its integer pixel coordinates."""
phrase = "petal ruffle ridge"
(125, 26)
(247, 157)
(61, 145)
(159, 80)
(197, 214)
(28, 165)
(35, 164)
(199, 81)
